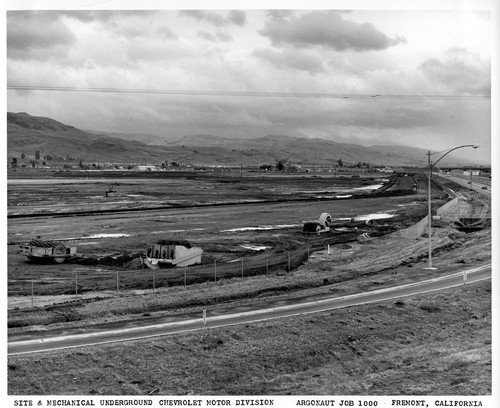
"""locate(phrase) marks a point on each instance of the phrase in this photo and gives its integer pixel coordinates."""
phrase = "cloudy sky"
(419, 78)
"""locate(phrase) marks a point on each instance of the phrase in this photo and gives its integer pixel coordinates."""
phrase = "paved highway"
(477, 185)
(170, 325)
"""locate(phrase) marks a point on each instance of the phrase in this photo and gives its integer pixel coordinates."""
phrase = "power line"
(313, 95)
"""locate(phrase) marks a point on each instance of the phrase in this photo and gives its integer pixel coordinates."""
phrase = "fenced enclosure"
(85, 280)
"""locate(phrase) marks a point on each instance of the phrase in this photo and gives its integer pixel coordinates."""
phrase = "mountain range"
(28, 134)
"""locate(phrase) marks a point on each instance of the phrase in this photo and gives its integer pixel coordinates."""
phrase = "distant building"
(146, 168)
(386, 169)
(468, 172)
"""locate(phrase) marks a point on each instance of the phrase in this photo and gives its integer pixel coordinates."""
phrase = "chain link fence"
(109, 281)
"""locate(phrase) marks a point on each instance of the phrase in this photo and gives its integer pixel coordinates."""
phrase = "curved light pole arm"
(455, 148)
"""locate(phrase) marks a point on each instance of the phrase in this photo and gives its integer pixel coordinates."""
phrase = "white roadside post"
(465, 277)
(204, 318)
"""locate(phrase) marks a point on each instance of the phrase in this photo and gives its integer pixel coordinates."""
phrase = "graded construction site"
(255, 254)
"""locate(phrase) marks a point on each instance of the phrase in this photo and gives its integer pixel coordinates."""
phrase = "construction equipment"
(170, 253)
(322, 225)
(37, 249)
(109, 191)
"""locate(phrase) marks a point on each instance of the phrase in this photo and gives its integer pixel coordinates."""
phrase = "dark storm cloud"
(328, 29)
(302, 61)
(207, 36)
(279, 14)
(236, 17)
(166, 33)
(104, 15)
(223, 36)
(461, 71)
(398, 117)
(37, 35)
(382, 115)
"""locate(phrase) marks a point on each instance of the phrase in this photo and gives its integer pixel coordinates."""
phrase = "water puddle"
(94, 236)
(261, 228)
(378, 216)
(371, 187)
(255, 247)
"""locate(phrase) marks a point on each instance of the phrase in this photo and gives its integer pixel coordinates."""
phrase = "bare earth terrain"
(255, 252)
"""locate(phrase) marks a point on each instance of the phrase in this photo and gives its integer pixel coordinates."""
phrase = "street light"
(429, 216)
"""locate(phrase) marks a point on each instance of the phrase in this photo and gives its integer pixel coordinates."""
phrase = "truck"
(37, 249)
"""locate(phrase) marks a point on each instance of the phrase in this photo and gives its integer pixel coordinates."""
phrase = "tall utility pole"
(429, 214)
(430, 164)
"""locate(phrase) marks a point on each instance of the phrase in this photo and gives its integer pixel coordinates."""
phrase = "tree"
(37, 155)
(341, 164)
(14, 162)
(280, 166)
(23, 156)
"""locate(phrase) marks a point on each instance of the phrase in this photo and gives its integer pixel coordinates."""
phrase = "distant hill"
(28, 134)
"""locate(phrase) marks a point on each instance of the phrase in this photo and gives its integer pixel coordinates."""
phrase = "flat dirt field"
(250, 229)
(253, 224)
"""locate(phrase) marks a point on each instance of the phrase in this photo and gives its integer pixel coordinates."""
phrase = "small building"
(146, 168)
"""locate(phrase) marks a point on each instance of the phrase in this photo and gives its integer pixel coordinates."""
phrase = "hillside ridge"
(27, 134)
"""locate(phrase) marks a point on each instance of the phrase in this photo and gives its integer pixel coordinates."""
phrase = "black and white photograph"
(251, 204)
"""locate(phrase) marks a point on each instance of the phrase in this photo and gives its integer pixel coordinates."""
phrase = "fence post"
(267, 263)
(185, 275)
(32, 290)
(289, 261)
(76, 285)
(117, 283)
(242, 267)
(154, 281)
(215, 270)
